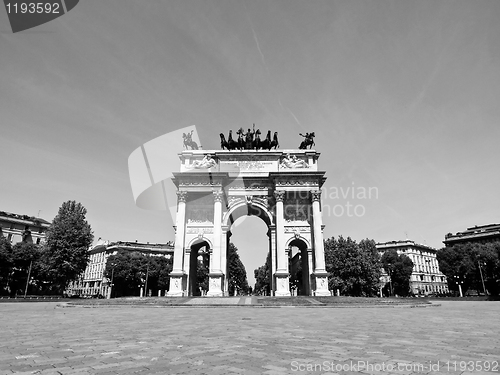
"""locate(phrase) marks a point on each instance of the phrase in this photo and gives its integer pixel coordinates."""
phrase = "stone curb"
(69, 305)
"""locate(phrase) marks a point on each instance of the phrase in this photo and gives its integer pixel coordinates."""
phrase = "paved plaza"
(459, 337)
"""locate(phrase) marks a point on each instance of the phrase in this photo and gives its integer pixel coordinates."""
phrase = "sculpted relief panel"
(201, 210)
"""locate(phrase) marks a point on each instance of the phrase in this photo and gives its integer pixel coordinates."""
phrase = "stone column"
(272, 249)
(226, 235)
(320, 274)
(215, 275)
(177, 275)
(282, 275)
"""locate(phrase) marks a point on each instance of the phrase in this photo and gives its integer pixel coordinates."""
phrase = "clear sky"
(403, 97)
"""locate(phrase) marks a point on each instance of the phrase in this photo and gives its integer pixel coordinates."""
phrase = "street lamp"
(389, 266)
(459, 282)
(431, 277)
(146, 284)
(481, 272)
(28, 279)
(110, 291)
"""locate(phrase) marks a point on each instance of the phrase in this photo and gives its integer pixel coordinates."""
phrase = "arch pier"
(282, 188)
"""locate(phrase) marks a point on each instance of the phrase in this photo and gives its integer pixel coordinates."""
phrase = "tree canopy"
(352, 268)
(399, 267)
(263, 277)
(236, 275)
(69, 237)
(5, 262)
(130, 269)
(26, 259)
(464, 264)
(16, 262)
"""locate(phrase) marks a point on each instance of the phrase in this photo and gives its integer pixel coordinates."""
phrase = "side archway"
(300, 266)
(199, 265)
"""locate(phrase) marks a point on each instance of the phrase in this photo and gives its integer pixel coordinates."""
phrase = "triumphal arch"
(281, 187)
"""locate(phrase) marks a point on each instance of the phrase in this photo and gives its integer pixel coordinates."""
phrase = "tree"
(236, 274)
(465, 263)
(202, 275)
(69, 237)
(130, 269)
(487, 259)
(399, 267)
(352, 268)
(263, 278)
(5, 263)
(25, 258)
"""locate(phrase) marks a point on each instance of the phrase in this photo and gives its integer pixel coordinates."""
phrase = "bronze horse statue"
(223, 143)
(257, 142)
(231, 142)
(274, 143)
(266, 143)
(249, 140)
(308, 141)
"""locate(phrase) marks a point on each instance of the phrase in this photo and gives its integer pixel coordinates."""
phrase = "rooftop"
(403, 243)
(134, 245)
(9, 216)
(475, 232)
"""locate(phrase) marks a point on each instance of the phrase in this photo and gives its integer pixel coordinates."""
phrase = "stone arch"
(196, 241)
(194, 253)
(298, 238)
(300, 265)
(243, 208)
(249, 183)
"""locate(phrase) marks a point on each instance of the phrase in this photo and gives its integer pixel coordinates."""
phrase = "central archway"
(250, 235)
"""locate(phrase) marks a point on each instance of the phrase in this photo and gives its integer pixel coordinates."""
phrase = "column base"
(215, 284)
(321, 281)
(176, 284)
(282, 294)
(282, 284)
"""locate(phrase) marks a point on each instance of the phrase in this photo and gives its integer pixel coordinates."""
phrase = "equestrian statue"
(188, 141)
(308, 141)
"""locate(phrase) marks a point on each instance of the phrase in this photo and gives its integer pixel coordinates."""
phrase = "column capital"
(182, 196)
(218, 196)
(279, 195)
(315, 195)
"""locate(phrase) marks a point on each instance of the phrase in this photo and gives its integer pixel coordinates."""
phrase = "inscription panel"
(237, 166)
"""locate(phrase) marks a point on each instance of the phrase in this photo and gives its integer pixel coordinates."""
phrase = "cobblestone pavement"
(456, 337)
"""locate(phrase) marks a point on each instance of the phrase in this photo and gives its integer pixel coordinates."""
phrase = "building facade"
(475, 234)
(23, 228)
(426, 277)
(92, 281)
